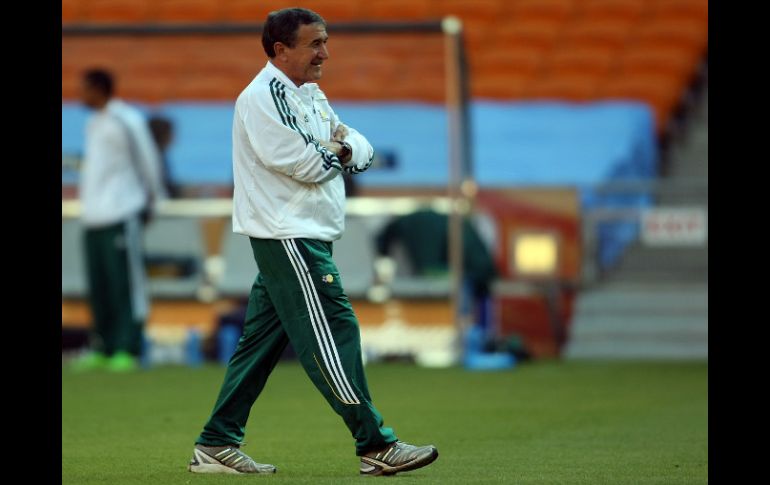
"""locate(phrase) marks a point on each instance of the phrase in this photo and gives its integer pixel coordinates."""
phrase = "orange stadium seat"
(542, 34)
(71, 11)
(115, 10)
(565, 87)
(509, 86)
(418, 69)
(334, 10)
(432, 90)
(83, 52)
(672, 61)
(186, 11)
(477, 17)
(643, 86)
(675, 33)
(628, 10)
(484, 10)
(400, 10)
(249, 10)
(521, 60)
(681, 9)
(563, 49)
(540, 9)
(589, 60)
(601, 32)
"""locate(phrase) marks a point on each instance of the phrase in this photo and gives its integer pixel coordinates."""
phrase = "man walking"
(289, 149)
(119, 184)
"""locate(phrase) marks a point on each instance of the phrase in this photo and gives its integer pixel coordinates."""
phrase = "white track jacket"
(286, 184)
(118, 145)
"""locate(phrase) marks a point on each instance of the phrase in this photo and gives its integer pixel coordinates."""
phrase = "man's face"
(303, 61)
(91, 97)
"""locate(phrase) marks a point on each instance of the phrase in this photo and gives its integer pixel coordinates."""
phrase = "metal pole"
(454, 102)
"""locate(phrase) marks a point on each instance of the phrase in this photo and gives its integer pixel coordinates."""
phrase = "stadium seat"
(354, 255)
(178, 241)
(501, 86)
(187, 11)
(71, 11)
(400, 10)
(478, 11)
(596, 32)
(239, 267)
(567, 87)
(680, 9)
(73, 278)
(671, 61)
(331, 10)
(494, 26)
(588, 60)
(622, 10)
(118, 11)
(540, 34)
(528, 10)
(676, 33)
(505, 74)
(517, 61)
(245, 10)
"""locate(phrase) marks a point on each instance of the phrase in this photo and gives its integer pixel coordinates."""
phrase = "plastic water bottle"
(474, 339)
(193, 354)
(476, 359)
(227, 340)
(146, 350)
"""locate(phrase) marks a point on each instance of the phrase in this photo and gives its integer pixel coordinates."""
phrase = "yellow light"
(535, 254)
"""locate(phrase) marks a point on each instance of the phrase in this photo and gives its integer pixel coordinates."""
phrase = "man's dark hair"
(100, 79)
(282, 26)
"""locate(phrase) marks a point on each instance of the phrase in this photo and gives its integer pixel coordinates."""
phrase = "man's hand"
(340, 133)
(335, 147)
(147, 214)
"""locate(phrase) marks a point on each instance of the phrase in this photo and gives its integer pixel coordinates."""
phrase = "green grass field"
(544, 423)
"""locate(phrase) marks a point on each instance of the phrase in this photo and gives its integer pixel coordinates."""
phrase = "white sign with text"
(675, 226)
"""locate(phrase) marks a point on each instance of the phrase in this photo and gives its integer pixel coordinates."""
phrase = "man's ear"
(279, 48)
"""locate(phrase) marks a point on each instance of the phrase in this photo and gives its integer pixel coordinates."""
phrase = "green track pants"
(116, 286)
(298, 297)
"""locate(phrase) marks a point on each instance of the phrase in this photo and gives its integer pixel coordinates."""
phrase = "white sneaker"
(396, 458)
(225, 459)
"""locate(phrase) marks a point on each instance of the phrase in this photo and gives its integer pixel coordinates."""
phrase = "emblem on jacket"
(327, 278)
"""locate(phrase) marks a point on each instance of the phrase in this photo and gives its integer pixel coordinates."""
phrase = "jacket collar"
(273, 70)
(113, 104)
(305, 88)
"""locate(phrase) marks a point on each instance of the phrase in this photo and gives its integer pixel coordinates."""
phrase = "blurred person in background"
(119, 187)
(423, 237)
(289, 150)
